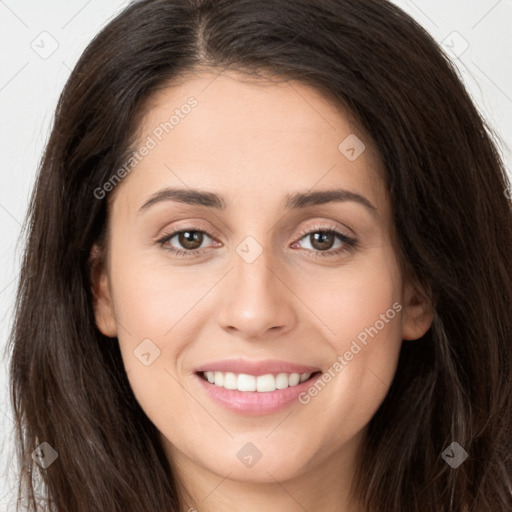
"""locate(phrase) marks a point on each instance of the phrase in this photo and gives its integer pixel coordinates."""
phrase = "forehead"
(233, 133)
(242, 106)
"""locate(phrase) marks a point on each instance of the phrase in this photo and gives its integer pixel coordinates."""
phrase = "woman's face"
(295, 272)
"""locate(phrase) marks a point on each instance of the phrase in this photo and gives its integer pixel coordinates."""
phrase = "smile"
(254, 395)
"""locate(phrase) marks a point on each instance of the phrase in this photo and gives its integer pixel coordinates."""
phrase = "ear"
(102, 301)
(418, 312)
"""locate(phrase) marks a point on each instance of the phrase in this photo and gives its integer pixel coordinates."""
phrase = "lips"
(256, 368)
(253, 403)
(254, 387)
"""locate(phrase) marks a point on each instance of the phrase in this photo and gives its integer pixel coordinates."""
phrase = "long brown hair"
(447, 185)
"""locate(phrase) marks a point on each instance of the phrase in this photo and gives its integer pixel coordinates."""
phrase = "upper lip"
(256, 368)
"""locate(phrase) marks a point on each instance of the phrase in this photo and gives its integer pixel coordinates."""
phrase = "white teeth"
(246, 382)
(260, 384)
(265, 383)
(282, 381)
(294, 379)
(218, 378)
(230, 381)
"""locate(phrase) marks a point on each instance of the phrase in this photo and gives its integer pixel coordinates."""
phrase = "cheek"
(361, 310)
(156, 308)
(356, 298)
(157, 301)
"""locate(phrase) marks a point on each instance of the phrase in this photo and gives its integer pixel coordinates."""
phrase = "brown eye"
(322, 240)
(185, 242)
(190, 240)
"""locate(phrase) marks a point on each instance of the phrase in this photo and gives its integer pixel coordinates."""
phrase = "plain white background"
(41, 43)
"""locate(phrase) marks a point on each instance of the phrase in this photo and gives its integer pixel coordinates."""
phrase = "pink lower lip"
(253, 403)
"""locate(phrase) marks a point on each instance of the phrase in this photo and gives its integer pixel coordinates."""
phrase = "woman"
(267, 268)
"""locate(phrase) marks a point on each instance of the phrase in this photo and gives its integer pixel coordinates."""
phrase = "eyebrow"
(293, 201)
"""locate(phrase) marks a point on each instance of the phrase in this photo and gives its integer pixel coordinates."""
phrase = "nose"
(257, 299)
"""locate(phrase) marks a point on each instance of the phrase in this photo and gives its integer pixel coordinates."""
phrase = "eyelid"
(325, 226)
(190, 225)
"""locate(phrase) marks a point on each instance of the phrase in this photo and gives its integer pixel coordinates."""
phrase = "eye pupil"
(322, 240)
(189, 239)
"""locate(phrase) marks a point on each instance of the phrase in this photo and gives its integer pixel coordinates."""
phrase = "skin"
(254, 143)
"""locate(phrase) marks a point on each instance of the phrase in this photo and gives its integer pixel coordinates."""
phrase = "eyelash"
(349, 243)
